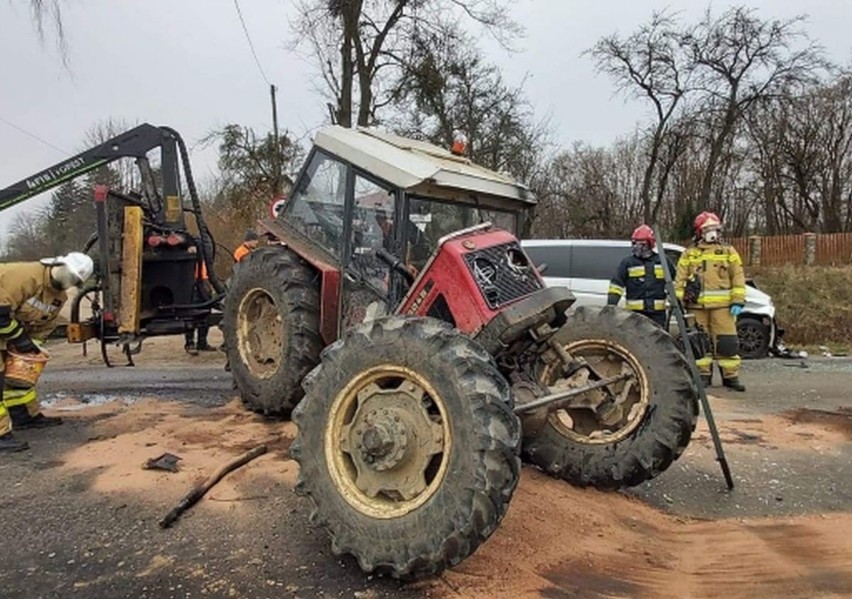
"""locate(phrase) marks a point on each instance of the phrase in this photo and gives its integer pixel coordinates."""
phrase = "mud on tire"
(396, 370)
(651, 444)
(270, 323)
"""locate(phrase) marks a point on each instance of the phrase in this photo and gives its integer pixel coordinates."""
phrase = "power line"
(34, 136)
(251, 45)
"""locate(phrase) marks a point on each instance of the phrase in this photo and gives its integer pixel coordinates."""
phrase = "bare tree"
(48, 13)
(253, 169)
(360, 45)
(650, 64)
(739, 59)
(447, 86)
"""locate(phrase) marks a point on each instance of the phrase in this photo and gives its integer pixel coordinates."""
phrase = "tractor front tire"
(407, 445)
(270, 323)
(658, 416)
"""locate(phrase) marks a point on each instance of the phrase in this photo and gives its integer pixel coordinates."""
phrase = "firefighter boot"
(706, 380)
(8, 442)
(733, 383)
(21, 419)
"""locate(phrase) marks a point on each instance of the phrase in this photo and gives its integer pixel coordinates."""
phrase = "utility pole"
(272, 90)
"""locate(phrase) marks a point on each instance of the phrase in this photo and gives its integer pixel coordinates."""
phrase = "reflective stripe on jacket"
(642, 281)
(719, 271)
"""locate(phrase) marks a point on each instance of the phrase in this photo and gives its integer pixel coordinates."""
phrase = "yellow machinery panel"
(131, 271)
(174, 209)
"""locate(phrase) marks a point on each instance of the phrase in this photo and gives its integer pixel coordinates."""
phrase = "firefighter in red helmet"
(711, 283)
(641, 278)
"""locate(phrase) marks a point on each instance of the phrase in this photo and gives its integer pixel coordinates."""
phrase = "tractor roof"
(417, 166)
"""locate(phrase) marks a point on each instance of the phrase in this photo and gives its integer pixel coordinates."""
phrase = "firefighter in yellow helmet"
(711, 283)
(31, 296)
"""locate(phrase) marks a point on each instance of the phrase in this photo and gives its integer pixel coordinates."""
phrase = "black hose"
(90, 242)
(207, 246)
(75, 301)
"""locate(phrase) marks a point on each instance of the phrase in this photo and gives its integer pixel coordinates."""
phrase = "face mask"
(711, 236)
(641, 249)
(62, 277)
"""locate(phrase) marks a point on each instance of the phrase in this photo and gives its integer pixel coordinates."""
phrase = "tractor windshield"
(433, 219)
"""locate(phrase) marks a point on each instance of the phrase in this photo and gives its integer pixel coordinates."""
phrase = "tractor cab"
(363, 193)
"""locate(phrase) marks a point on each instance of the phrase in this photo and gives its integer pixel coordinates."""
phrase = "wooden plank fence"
(831, 249)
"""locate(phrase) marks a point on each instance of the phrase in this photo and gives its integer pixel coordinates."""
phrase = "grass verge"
(813, 303)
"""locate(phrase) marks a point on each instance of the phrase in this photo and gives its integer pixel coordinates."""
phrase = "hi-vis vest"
(642, 281)
(719, 270)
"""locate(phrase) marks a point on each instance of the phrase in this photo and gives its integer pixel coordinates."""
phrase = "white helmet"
(78, 264)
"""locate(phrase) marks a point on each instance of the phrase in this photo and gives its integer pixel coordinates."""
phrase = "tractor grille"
(502, 274)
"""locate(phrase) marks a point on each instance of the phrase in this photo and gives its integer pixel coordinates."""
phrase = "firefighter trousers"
(721, 325)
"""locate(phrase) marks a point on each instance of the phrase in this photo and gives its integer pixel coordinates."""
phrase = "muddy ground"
(80, 514)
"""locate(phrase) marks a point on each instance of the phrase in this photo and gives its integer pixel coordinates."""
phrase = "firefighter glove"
(736, 310)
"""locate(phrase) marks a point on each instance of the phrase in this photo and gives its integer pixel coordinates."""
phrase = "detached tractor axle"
(556, 401)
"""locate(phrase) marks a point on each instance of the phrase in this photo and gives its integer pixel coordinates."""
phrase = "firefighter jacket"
(716, 273)
(643, 281)
(32, 301)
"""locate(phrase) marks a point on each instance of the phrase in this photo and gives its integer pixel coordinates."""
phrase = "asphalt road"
(63, 540)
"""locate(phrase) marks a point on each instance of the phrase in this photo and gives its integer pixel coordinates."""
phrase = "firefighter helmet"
(79, 266)
(706, 219)
(646, 234)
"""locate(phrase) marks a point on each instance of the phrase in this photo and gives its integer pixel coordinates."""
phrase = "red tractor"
(397, 318)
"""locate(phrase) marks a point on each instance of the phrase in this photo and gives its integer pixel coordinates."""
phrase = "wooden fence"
(831, 249)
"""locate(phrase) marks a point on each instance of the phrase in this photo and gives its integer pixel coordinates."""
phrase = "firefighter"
(31, 296)
(711, 283)
(640, 276)
(248, 245)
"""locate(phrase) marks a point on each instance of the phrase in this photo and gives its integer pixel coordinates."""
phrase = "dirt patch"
(558, 541)
(802, 428)
(123, 437)
(839, 420)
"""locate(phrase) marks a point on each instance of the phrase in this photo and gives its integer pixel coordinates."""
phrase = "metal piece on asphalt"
(696, 376)
(166, 461)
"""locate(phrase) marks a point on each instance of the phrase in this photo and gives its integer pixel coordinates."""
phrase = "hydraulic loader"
(147, 261)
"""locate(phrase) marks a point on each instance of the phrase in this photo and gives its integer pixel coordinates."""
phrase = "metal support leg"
(696, 377)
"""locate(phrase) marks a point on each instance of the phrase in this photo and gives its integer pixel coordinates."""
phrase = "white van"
(585, 266)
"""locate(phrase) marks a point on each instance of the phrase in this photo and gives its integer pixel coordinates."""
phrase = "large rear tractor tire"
(270, 323)
(407, 445)
(656, 420)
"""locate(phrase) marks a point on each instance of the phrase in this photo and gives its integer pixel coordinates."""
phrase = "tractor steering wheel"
(395, 264)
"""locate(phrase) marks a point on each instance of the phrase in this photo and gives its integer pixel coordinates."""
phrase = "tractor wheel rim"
(260, 337)
(387, 441)
(609, 359)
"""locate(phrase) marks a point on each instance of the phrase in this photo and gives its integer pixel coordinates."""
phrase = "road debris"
(198, 492)
(165, 461)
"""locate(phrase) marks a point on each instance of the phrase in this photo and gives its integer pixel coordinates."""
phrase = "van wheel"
(753, 338)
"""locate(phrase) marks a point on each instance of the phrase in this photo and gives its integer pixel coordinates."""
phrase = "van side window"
(557, 258)
(596, 262)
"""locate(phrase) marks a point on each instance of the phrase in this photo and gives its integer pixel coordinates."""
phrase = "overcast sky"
(187, 64)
